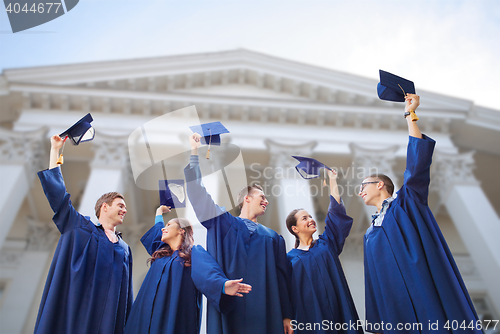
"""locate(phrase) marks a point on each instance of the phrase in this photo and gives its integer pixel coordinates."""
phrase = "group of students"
(410, 274)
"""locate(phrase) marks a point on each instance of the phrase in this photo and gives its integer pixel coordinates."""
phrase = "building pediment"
(228, 73)
(237, 85)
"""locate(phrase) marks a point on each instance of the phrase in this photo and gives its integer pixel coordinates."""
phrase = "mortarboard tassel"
(402, 90)
(209, 142)
(324, 177)
(413, 116)
(60, 160)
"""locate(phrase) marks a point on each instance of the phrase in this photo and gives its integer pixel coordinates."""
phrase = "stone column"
(23, 265)
(473, 215)
(20, 159)
(289, 189)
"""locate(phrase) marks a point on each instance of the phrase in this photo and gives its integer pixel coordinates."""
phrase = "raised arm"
(418, 156)
(204, 206)
(65, 216)
(412, 103)
(334, 188)
(56, 143)
(338, 223)
(152, 238)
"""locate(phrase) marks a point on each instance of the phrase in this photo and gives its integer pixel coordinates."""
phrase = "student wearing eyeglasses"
(411, 279)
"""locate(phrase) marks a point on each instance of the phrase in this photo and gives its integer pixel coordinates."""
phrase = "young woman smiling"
(322, 302)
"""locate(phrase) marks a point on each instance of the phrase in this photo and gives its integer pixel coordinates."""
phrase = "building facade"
(274, 108)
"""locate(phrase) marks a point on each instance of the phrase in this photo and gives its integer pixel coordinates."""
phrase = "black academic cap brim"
(210, 132)
(393, 88)
(81, 131)
(172, 193)
(309, 168)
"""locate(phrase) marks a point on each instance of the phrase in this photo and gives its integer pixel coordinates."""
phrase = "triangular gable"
(230, 73)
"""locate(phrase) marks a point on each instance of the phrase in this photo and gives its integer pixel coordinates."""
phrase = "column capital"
(281, 154)
(450, 169)
(23, 148)
(41, 236)
(110, 151)
(369, 160)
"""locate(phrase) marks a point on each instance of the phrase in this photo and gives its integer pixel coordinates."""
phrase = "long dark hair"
(184, 250)
(292, 221)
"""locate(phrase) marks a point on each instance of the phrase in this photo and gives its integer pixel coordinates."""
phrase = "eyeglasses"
(363, 185)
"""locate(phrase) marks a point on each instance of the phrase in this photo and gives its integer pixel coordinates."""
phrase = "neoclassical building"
(274, 108)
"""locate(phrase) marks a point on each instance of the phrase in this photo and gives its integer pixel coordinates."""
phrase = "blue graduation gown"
(89, 285)
(259, 258)
(410, 274)
(168, 302)
(319, 288)
(208, 277)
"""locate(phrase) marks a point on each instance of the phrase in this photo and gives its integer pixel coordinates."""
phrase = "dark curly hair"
(187, 242)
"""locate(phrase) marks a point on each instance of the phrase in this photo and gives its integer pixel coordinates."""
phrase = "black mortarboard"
(210, 133)
(81, 131)
(394, 88)
(207, 130)
(172, 193)
(309, 168)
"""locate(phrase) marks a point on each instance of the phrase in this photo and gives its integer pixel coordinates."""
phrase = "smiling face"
(116, 211)
(305, 224)
(256, 202)
(171, 233)
(371, 190)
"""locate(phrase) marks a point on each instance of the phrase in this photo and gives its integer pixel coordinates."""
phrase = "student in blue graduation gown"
(243, 248)
(168, 301)
(322, 302)
(89, 285)
(410, 274)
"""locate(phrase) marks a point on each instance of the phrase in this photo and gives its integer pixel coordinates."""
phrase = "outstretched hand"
(162, 209)
(56, 142)
(194, 140)
(412, 102)
(236, 288)
(332, 174)
(287, 326)
(334, 188)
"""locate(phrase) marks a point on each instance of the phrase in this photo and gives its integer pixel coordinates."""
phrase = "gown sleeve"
(204, 206)
(418, 166)
(65, 215)
(338, 225)
(152, 238)
(284, 283)
(209, 279)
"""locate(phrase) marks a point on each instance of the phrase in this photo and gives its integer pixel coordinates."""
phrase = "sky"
(450, 47)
